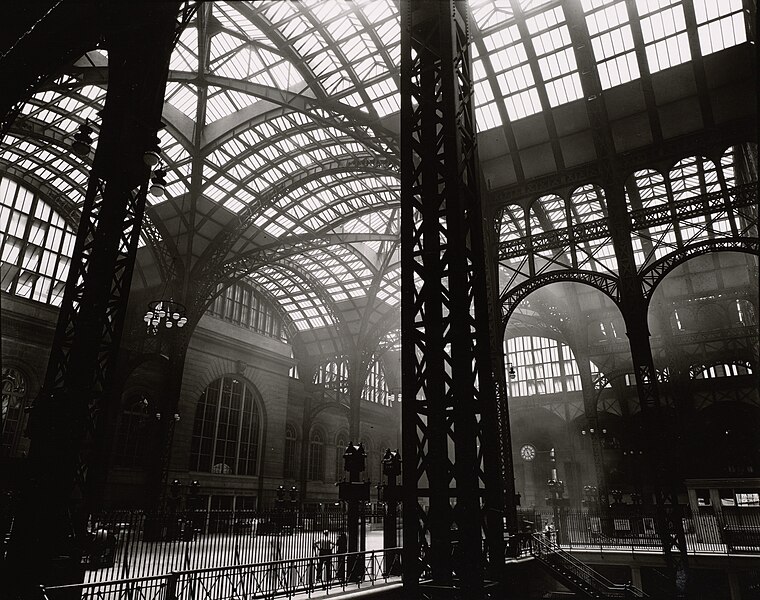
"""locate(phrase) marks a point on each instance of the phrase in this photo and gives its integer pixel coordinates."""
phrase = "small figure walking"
(550, 532)
(323, 546)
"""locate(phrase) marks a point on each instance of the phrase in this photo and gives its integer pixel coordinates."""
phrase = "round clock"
(528, 452)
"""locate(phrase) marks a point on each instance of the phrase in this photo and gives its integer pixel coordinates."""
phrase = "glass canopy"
(281, 123)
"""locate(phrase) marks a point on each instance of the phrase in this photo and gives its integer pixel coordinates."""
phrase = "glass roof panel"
(663, 26)
(720, 24)
(185, 55)
(301, 303)
(183, 96)
(229, 14)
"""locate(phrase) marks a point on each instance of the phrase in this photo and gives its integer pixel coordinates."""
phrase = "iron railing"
(578, 575)
(130, 544)
(731, 530)
(312, 576)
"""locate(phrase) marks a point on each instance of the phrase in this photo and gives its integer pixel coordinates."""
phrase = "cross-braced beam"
(453, 488)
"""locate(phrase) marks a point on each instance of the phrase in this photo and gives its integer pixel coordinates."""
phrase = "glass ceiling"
(280, 116)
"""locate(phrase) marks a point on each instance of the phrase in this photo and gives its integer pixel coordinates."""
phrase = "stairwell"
(577, 576)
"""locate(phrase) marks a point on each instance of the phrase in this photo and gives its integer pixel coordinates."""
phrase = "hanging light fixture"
(82, 139)
(164, 314)
(511, 371)
(158, 183)
(152, 155)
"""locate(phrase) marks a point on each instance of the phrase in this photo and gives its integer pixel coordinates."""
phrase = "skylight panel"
(612, 43)
(324, 11)
(342, 28)
(719, 24)
(556, 58)
(513, 74)
(277, 12)
(241, 22)
(233, 205)
(664, 31)
(489, 13)
(183, 97)
(218, 106)
(284, 75)
(487, 116)
(185, 54)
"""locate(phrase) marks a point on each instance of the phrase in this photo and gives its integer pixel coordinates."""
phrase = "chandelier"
(164, 314)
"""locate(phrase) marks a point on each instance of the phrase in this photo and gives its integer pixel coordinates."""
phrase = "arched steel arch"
(606, 284)
(221, 245)
(346, 342)
(657, 271)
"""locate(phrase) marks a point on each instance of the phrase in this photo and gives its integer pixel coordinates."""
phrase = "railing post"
(171, 586)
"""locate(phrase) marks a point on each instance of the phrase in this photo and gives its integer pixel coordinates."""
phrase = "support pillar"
(636, 577)
(66, 421)
(453, 481)
(658, 449)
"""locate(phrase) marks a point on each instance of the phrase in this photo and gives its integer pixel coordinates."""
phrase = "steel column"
(634, 310)
(453, 505)
(66, 420)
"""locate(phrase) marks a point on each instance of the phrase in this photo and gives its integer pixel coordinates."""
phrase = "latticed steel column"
(453, 505)
(47, 538)
(658, 451)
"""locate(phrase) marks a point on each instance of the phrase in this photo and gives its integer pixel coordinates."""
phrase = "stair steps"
(577, 576)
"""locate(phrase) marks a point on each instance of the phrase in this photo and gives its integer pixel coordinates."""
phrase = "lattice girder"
(449, 410)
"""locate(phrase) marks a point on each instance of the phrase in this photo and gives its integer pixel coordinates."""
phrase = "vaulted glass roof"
(281, 119)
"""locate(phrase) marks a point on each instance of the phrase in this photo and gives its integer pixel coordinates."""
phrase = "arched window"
(543, 366)
(226, 433)
(13, 416)
(340, 448)
(132, 434)
(245, 306)
(36, 245)
(316, 456)
(289, 459)
(722, 370)
(333, 374)
(375, 388)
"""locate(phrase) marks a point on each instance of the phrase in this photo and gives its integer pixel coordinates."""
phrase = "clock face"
(528, 452)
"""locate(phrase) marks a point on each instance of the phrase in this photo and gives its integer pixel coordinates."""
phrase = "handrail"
(588, 575)
(282, 578)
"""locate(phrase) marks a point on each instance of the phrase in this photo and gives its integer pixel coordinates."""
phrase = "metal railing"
(132, 544)
(312, 576)
(577, 574)
(732, 530)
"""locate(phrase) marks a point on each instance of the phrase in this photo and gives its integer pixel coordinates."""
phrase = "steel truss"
(453, 490)
(67, 425)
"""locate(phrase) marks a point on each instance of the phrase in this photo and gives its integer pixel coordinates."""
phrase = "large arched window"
(289, 459)
(132, 434)
(316, 456)
(543, 366)
(245, 306)
(226, 434)
(13, 416)
(36, 245)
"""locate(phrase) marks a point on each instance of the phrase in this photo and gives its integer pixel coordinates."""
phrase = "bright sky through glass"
(280, 130)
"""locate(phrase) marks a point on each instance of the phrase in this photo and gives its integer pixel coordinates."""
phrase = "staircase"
(577, 576)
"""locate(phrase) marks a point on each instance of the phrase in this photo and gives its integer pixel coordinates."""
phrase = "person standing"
(323, 546)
